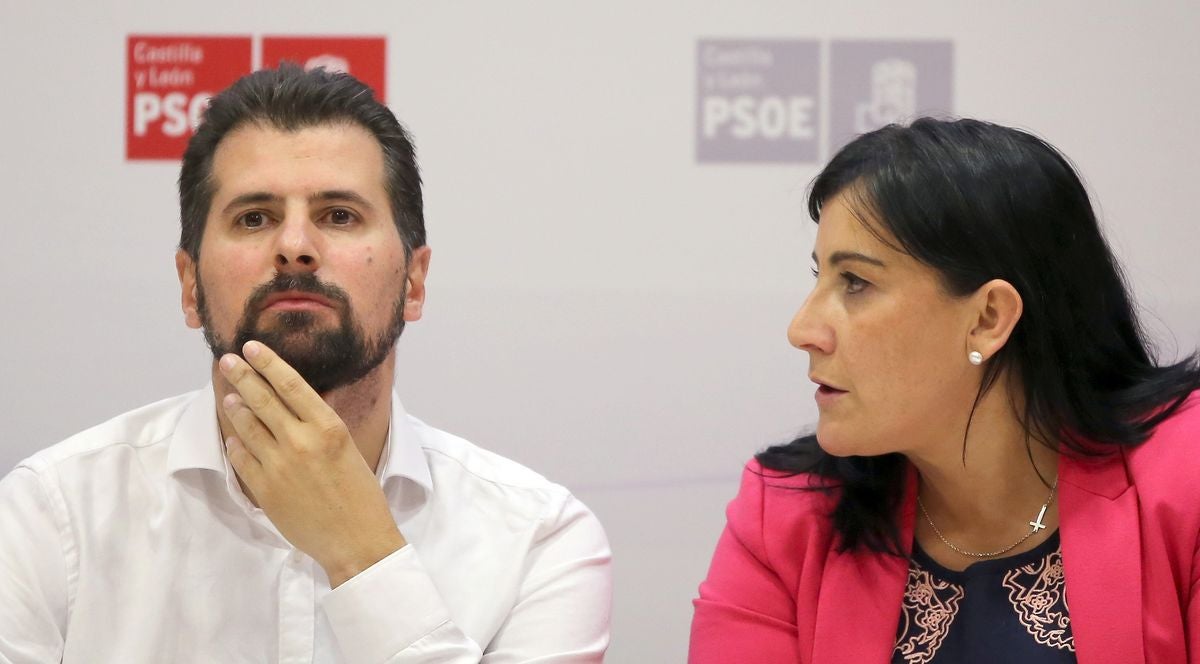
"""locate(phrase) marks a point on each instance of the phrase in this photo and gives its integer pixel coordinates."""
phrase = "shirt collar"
(403, 456)
(196, 443)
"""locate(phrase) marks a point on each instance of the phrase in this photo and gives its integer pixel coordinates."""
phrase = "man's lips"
(296, 301)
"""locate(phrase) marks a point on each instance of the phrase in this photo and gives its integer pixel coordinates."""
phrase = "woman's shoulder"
(793, 466)
(781, 519)
(773, 479)
(1173, 448)
(1184, 423)
(782, 498)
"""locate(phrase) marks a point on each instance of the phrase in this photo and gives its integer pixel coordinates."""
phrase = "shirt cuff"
(385, 608)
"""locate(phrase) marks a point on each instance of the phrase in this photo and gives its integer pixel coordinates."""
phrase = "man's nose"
(296, 247)
(809, 331)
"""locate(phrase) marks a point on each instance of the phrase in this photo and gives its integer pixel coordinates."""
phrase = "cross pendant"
(1037, 523)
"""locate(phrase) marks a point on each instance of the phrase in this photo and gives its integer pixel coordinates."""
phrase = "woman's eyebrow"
(843, 256)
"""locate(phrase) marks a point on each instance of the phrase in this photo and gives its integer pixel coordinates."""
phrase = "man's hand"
(297, 458)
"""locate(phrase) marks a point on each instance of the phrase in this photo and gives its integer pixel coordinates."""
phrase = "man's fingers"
(290, 387)
(251, 432)
(256, 393)
(244, 463)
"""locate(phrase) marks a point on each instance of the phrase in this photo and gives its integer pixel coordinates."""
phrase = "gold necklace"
(1035, 526)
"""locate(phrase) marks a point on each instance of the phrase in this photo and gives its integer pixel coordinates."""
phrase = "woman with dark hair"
(1001, 472)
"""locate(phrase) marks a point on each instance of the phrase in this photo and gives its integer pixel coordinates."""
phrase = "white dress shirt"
(132, 542)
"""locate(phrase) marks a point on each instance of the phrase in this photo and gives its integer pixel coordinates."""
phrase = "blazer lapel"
(858, 608)
(1101, 545)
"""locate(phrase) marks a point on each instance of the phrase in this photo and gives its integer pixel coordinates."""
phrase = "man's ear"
(998, 307)
(185, 265)
(418, 270)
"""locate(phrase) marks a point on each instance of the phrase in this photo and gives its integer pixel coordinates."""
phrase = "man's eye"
(252, 219)
(340, 217)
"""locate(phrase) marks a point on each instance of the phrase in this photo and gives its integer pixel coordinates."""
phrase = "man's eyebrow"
(843, 256)
(330, 196)
(335, 195)
(251, 198)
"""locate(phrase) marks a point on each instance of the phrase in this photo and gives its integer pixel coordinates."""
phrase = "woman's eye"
(815, 274)
(854, 284)
(252, 219)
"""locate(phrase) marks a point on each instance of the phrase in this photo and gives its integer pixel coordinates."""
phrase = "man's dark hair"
(977, 201)
(291, 99)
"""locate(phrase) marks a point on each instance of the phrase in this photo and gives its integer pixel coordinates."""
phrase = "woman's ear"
(997, 308)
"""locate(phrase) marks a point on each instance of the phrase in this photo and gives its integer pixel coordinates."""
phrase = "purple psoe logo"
(756, 100)
(874, 83)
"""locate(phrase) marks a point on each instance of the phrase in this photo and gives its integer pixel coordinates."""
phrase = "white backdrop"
(601, 307)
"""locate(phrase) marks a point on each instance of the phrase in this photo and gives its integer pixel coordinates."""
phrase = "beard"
(326, 357)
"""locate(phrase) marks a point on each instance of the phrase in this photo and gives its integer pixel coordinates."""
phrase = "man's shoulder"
(451, 453)
(467, 476)
(483, 491)
(139, 428)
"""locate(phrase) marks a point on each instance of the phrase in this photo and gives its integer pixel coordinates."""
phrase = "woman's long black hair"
(977, 201)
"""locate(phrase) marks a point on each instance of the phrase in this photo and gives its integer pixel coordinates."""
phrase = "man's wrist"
(344, 568)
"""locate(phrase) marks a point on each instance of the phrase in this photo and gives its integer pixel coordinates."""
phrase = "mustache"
(301, 283)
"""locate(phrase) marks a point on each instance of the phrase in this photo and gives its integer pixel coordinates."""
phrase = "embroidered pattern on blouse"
(930, 605)
(1038, 595)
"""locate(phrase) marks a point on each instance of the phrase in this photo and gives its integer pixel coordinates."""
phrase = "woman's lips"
(827, 395)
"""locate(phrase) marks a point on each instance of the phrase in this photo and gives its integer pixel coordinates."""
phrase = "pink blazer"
(778, 591)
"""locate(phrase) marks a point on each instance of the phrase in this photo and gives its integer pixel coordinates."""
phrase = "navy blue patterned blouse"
(1010, 609)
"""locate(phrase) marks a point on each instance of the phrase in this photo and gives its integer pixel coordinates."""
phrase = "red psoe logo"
(168, 84)
(363, 58)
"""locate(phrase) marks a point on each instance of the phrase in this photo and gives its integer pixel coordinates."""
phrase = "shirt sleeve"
(744, 612)
(33, 579)
(561, 615)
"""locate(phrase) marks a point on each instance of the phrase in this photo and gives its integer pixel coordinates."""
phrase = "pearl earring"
(975, 357)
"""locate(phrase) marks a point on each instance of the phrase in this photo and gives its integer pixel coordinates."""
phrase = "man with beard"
(291, 511)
